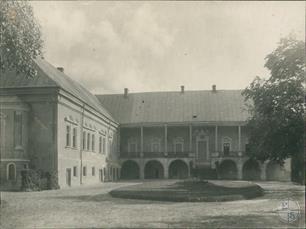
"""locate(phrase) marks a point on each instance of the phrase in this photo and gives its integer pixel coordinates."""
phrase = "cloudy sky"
(158, 46)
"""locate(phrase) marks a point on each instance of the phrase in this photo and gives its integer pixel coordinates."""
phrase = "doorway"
(202, 149)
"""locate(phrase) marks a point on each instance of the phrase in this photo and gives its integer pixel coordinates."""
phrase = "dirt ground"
(89, 207)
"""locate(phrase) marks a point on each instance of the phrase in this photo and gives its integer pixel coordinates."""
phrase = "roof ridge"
(156, 92)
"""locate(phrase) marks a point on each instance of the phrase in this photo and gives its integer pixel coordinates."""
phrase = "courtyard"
(92, 206)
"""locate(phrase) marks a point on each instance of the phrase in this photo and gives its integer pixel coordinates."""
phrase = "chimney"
(61, 69)
(214, 89)
(126, 91)
(182, 89)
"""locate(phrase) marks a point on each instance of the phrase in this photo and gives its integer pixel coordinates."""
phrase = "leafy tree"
(20, 37)
(277, 105)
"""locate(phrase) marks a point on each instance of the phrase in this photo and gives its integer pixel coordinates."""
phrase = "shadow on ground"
(233, 221)
(108, 198)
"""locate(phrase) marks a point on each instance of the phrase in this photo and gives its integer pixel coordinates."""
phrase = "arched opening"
(228, 170)
(154, 170)
(178, 170)
(11, 171)
(274, 171)
(251, 170)
(129, 170)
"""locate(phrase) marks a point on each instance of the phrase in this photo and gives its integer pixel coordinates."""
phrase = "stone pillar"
(239, 138)
(216, 138)
(263, 167)
(141, 141)
(189, 169)
(141, 170)
(115, 174)
(239, 170)
(166, 170)
(118, 142)
(166, 141)
(190, 138)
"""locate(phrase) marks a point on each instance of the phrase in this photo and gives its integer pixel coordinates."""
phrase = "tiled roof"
(49, 76)
(167, 107)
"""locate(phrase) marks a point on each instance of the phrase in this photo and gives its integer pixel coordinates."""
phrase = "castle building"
(52, 124)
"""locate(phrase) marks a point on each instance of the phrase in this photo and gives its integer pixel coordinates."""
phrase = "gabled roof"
(49, 76)
(167, 107)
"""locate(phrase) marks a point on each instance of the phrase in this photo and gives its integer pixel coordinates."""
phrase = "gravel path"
(93, 207)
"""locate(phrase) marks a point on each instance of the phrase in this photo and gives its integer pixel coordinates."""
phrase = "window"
(93, 171)
(227, 145)
(84, 140)
(75, 171)
(132, 145)
(68, 129)
(155, 145)
(109, 146)
(11, 171)
(103, 145)
(2, 130)
(178, 144)
(74, 137)
(88, 141)
(18, 128)
(100, 144)
(84, 171)
(104, 174)
(93, 142)
(25, 166)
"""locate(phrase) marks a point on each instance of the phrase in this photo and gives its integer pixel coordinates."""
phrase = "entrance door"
(68, 177)
(202, 150)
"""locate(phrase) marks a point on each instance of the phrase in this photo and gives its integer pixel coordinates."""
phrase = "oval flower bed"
(190, 191)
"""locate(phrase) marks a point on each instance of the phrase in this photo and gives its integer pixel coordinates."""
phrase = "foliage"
(36, 180)
(277, 105)
(20, 37)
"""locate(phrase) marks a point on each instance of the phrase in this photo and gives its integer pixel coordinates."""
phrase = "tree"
(20, 37)
(276, 104)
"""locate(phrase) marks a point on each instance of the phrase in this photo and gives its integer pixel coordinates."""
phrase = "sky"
(159, 46)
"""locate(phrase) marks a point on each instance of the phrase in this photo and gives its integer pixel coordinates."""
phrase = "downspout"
(81, 144)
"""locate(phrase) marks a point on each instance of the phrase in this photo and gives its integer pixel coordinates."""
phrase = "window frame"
(74, 137)
(103, 145)
(88, 141)
(131, 142)
(226, 140)
(68, 135)
(156, 141)
(75, 171)
(178, 141)
(93, 142)
(84, 172)
(18, 129)
(8, 171)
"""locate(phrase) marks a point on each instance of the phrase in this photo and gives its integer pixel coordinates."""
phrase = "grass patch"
(190, 191)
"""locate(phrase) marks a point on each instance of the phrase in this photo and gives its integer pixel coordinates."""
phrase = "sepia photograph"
(152, 114)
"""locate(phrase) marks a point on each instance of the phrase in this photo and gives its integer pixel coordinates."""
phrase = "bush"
(37, 180)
